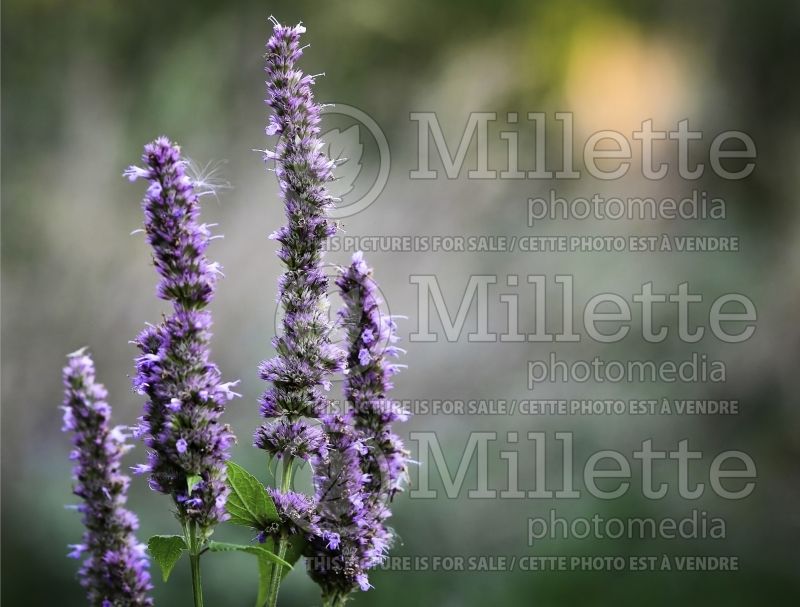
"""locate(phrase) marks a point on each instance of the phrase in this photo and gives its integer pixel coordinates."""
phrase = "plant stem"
(196, 585)
(194, 562)
(286, 474)
(277, 570)
(335, 600)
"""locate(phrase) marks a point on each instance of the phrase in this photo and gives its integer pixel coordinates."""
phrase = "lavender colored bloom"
(372, 336)
(115, 571)
(186, 398)
(296, 439)
(368, 462)
(350, 540)
(300, 372)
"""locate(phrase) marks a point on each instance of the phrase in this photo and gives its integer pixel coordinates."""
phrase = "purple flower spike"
(115, 571)
(368, 463)
(186, 398)
(372, 336)
(300, 372)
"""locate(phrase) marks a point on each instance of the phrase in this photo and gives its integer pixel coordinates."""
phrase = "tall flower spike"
(300, 372)
(115, 571)
(372, 462)
(186, 398)
(372, 336)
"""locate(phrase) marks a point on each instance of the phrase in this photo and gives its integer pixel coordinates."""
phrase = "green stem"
(194, 561)
(277, 570)
(335, 600)
(196, 585)
(286, 478)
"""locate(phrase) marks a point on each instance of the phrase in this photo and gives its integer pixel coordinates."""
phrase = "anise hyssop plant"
(358, 464)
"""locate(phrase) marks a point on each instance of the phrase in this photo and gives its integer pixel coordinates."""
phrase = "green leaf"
(192, 480)
(166, 550)
(248, 548)
(249, 504)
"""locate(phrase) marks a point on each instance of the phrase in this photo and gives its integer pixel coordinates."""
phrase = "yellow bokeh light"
(616, 78)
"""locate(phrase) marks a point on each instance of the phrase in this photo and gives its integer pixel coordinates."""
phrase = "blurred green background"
(86, 84)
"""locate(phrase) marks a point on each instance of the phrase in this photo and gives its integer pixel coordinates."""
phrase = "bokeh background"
(86, 84)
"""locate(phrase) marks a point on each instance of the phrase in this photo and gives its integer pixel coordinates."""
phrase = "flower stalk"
(115, 571)
(188, 443)
(300, 372)
(355, 487)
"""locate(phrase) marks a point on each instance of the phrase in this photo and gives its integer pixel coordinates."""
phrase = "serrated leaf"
(249, 503)
(166, 550)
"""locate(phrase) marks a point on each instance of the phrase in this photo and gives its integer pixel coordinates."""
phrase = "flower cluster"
(372, 336)
(355, 487)
(114, 572)
(298, 515)
(358, 464)
(300, 372)
(343, 549)
(186, 398)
